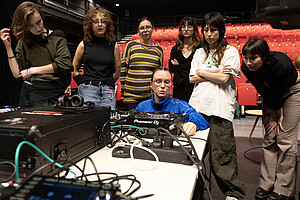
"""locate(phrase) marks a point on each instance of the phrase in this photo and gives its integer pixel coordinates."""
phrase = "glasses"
(99, 21)
(145, 28)
(158, 82)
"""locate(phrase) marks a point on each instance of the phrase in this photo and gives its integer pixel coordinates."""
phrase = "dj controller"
(150, 121)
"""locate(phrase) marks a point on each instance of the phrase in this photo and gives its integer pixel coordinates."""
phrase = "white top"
(215, 99)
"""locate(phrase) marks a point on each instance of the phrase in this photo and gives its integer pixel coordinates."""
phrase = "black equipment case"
(62, 134)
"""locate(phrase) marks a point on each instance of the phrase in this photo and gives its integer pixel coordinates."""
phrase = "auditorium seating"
(286, 41)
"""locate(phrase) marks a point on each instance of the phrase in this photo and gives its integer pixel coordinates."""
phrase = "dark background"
(67, 15)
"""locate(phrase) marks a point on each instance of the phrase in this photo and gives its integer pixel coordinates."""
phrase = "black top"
(273, 79)
(99, 62)
(182, 87)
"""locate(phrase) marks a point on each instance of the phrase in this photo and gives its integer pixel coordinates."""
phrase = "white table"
(167, 181)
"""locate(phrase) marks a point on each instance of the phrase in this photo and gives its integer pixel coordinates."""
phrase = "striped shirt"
(138, 63)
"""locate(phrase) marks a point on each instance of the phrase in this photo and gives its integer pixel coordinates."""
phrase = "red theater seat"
(246, 94)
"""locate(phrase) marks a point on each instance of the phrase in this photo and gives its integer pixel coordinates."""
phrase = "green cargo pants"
(223, 159)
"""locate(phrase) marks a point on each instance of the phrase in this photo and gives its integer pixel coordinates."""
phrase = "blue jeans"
(102, 95)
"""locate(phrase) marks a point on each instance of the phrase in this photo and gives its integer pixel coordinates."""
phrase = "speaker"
(280, 14)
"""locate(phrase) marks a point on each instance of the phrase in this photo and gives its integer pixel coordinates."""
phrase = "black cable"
(40, 169)
(120, 138)
(128, 133)
(124, 136)
(11, 176)
(118, 178)
(126, 177)
(251, 150)
(191, 157)
(72, 164)
(203, 163)
(194, 150)
(188, 138)
(52, 163)
(144, 196)
(102, 180)
(84, 164)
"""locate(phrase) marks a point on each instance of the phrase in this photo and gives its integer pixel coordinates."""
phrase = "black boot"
(261, 193)
(276, 196)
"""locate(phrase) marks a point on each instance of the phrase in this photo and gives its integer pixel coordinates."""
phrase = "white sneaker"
(231, 198)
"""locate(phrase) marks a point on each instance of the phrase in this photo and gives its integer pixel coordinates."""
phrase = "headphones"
(44, 36)
(72, 101)
(74, 104)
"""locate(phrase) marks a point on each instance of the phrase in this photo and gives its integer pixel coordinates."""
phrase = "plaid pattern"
(279, 159)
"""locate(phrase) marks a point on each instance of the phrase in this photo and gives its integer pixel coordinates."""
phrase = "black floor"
(248, 169)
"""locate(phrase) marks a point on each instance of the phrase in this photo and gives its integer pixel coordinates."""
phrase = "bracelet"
(11, 57)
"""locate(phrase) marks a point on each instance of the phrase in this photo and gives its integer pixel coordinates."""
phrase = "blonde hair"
(20, 20)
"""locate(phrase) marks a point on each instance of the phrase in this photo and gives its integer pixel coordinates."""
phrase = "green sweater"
(54, 51)
(137, 65)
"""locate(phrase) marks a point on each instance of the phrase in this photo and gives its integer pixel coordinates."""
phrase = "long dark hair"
(215, 19)
(196, 40)
(257, 46)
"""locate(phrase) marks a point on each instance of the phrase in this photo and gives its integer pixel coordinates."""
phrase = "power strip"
(173, 154)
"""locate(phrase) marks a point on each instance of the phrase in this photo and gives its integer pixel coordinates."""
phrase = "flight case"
(62, 134)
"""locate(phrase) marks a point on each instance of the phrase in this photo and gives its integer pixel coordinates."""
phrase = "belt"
(96, 83)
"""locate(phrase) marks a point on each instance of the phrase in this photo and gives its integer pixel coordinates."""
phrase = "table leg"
(253, 127)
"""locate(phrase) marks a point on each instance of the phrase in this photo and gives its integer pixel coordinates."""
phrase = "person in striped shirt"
(139, 59)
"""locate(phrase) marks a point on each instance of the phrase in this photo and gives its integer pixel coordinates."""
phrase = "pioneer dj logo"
(155, 122)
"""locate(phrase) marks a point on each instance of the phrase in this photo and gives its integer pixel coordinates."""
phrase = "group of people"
(203, 83)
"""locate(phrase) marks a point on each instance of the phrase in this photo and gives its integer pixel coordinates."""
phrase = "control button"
(51, 180)
(65, 181)
(29, 187)
(93, 184)
(106, 186)
(25, 191)
(116, 186)
(37, 178)
(16, 198)
(33, 182)
(78, 182)
(20, 195)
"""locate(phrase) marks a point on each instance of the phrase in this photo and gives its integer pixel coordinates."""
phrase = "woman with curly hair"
(41, 57)
(182, 53)
(101, 58)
